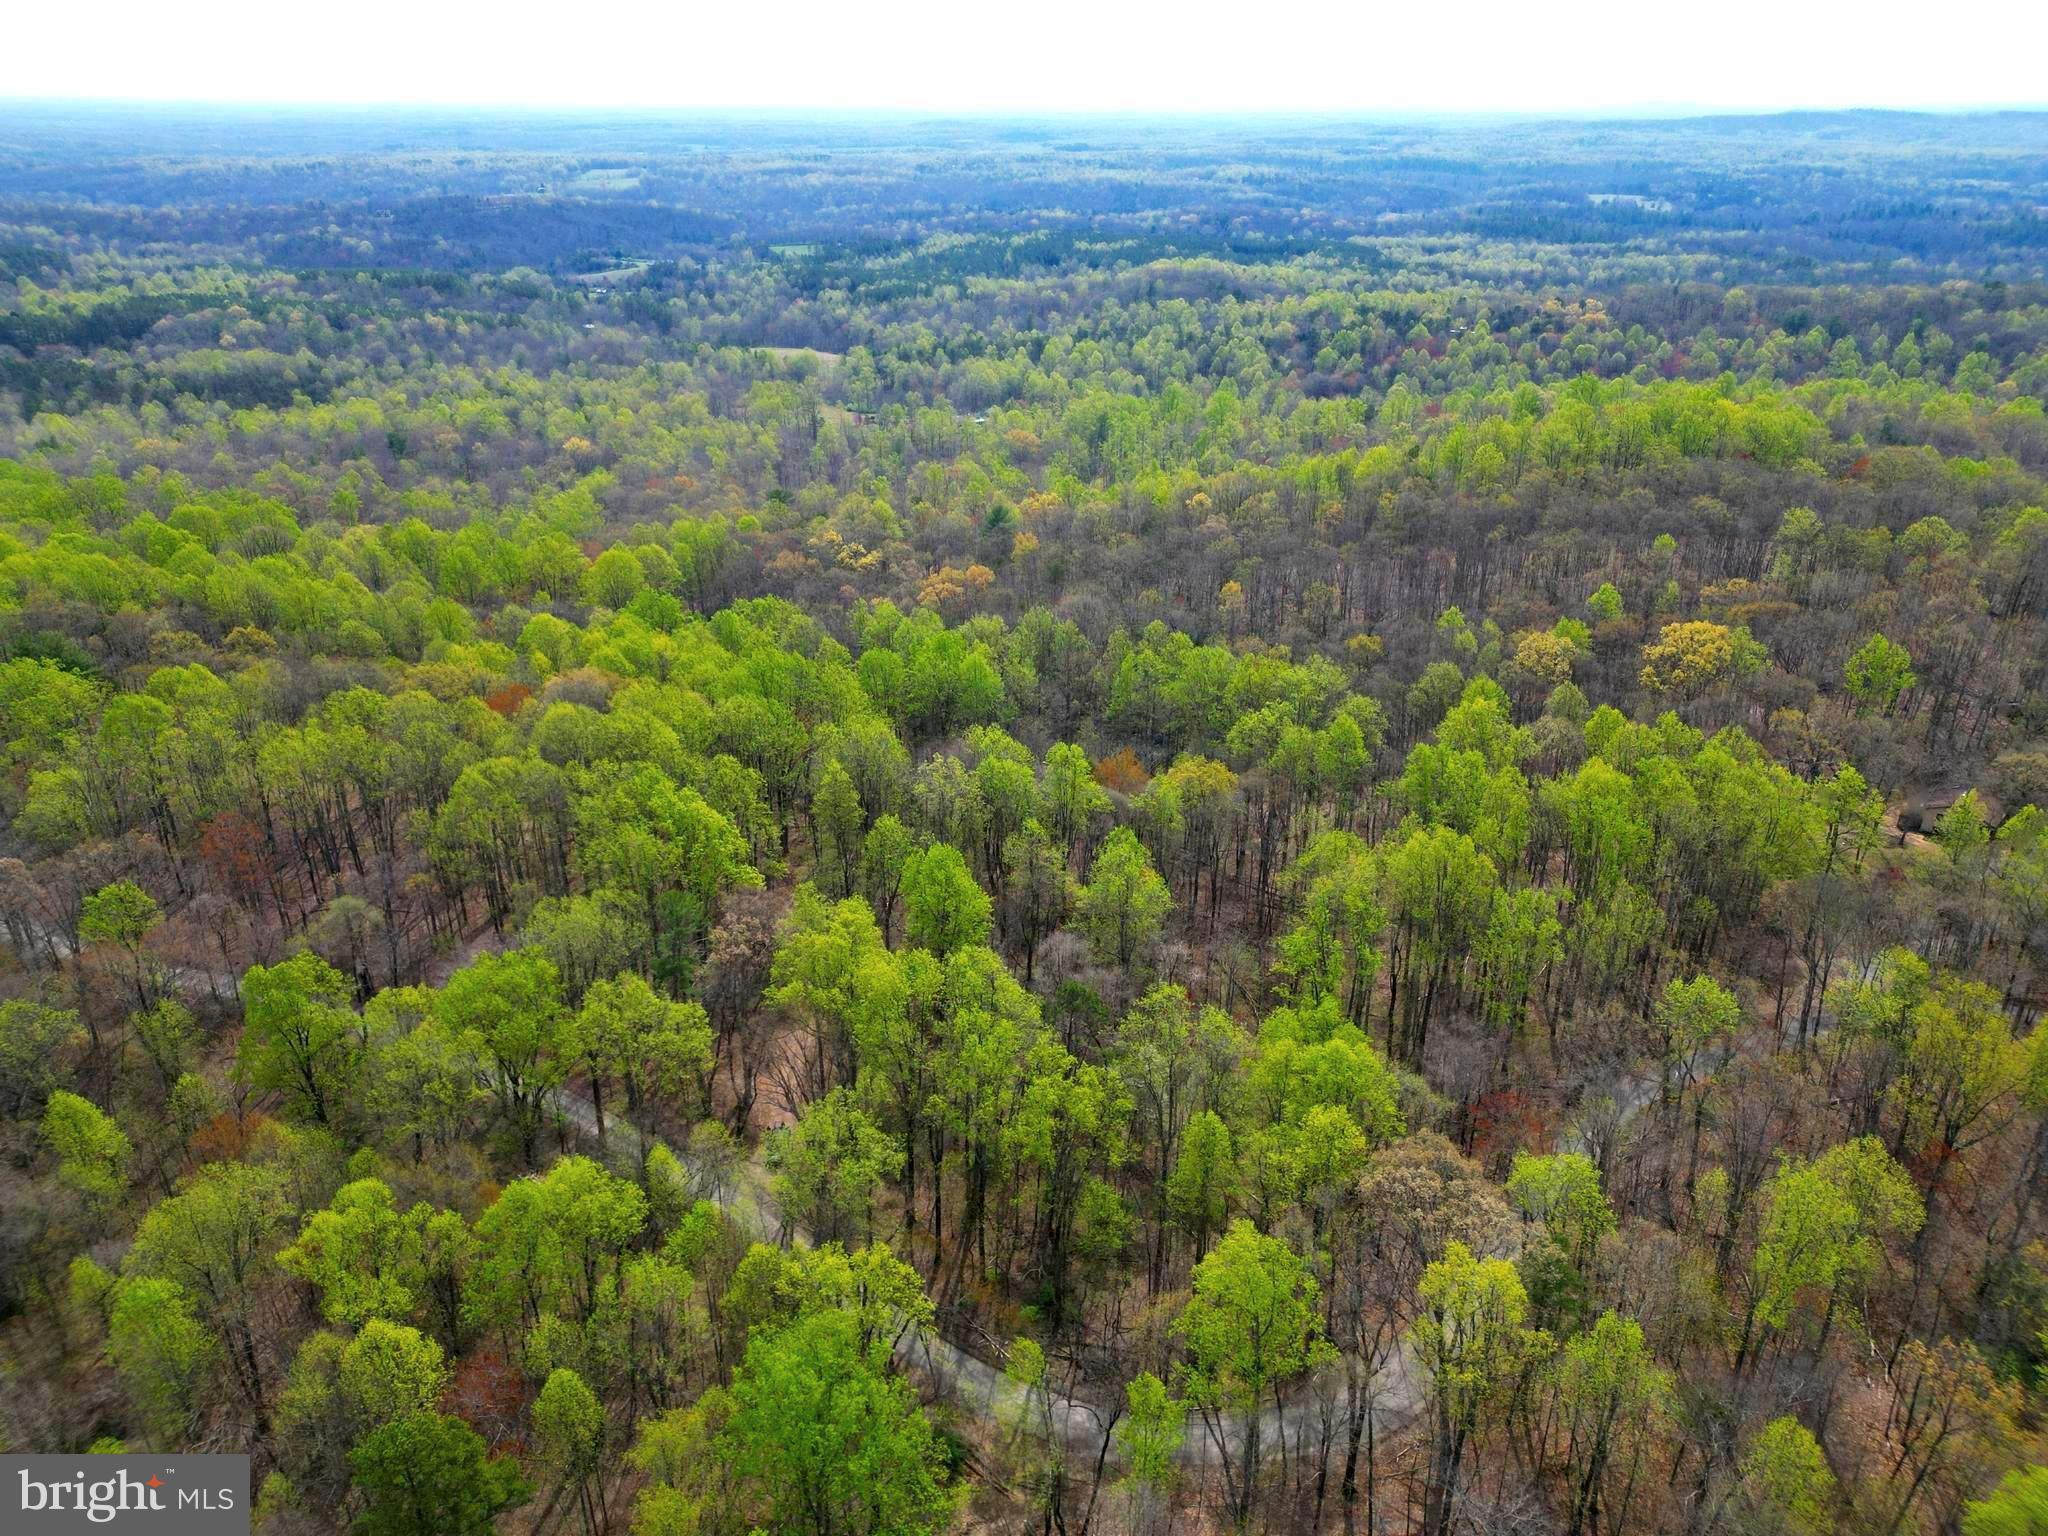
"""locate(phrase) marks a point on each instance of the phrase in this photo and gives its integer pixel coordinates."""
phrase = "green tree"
(92, 1151)
(388, 1371)
(569, 1420)
(215, 1239)
(1124, 903)
(1783, 1486)
(1692, 1018)
(1471, 1341)
(640, 1040)
(1332, 948)
(1439, 889)
(1252, 1325)
(1961, 1065)
(32, 1041)
(1878, 672)
(553, 1242)
(1202, 1179)
(166, 1034)
(2018, 1506)
(507, 1009)
(1821, 1232)
(842, 826)
(423, 1081)
(824, 1439)
(944, 909)
(1039, 891)
(1069, 1114)
(1844, 812)
(1563, 1192)
(830, 1165)
(300, 1038)
(885, 854)
(689, 1490)
(1176, 1059)
(1310, 1057)
(664, 848)
(365, 1256)
(1037, 1450)
(122, 914)
(1149, 1436)
(1612, 1393)
(614, 578)
(587, 937)
(162, 1351)
(427, 1474)
(1073, 800)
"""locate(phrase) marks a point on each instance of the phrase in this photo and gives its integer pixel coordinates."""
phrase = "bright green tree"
(639, 1039)
(507, 1009)
(885, 854)
(1073, 800)
(215, 1240)
(1039, 892)
(1878, 672)
(1252, 1325)
(300, 1038)
(1693, 1018)
(92, 1151)
(1563, 1192)
(1783, 1485)
(553, 1242)
(1150, 1436)
(569, 1421)
(842, 825)
(1124, 903)
(388, 1371)
(1202, 1179)
(1471, 1342)
(1332, 949)
(1821, 1232)
(689, 1488)
(825, 1439)
(614, 578)
(32, 1041)
(1612, 1393)
(2018, 1506)
(122, 914)
(944, 909)
(1961, 1065)
(830, 1165)
(365, 1256)
(1438, 888)
(162, 1351)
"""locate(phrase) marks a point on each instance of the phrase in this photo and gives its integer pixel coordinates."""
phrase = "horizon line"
(1622, 113)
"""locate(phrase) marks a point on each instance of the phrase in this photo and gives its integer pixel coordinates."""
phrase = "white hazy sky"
(1365, 57)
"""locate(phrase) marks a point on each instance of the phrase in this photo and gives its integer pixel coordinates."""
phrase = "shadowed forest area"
(873, 826)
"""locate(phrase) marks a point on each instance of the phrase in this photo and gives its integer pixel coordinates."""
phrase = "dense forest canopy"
(858, 826)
